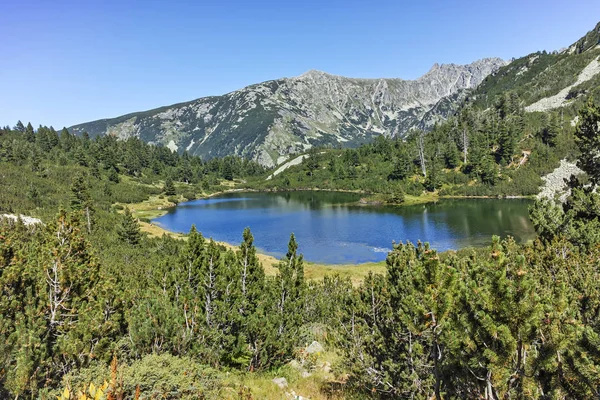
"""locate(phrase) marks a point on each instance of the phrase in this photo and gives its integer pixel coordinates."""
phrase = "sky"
(68, 62)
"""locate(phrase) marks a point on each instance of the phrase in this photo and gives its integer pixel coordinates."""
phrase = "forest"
(499, 151)
(91, 307)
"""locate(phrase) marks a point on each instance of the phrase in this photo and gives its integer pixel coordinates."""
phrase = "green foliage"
(169, 188)
(52, 304)
(578, 219)
(129, 230)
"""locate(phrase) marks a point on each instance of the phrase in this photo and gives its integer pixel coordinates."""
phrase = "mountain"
(269, 121)
(548, 81)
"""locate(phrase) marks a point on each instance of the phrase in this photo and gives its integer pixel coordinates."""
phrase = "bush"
(189, 196)
(158, 377)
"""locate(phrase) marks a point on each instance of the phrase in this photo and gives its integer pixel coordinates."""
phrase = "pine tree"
(402, 166)
(169, 187)
(550, 130)
(113, 176)
(587, 137)
(433, 181)
(19, 127)
(250, 294)
(506, 142)
(129, 230)
(227, 170)
(498, 326)
(29, 133)
(51, 305)
(81, 200)
(289, 295)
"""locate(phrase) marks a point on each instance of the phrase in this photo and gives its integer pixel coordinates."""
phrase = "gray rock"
(554, 182)
(281, 382)
(295, 364)
(315, 347)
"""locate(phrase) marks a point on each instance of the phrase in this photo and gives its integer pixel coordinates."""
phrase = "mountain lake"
(332, 228)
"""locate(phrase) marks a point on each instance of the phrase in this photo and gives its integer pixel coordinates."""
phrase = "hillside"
(546, 81)
(269, 121)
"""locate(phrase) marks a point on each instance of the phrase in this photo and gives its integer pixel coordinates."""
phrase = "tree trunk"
(422, 154)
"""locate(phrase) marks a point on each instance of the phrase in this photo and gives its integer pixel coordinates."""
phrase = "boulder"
(315, 347)
(281, 382)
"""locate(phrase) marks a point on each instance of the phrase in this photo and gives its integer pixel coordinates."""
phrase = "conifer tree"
(500, 316)
(29, 133)
(249, 296)
(550, 130)
(19, 127)
(81, 200)
(169, 187)
(129, 230)
(506, 142)
(113, 176)
(289, 290)
(51, 305)
(402, 166)
(587, 137)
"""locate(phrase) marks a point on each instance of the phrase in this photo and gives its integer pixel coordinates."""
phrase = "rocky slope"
(546, 81)
(272, 120)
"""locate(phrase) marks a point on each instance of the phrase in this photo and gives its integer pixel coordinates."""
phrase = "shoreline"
(155, 207)
(312, 270)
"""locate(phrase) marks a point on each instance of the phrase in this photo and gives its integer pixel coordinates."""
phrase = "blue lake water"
(330, 227)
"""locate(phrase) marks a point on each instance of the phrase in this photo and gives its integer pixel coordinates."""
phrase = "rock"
(281, 382)
(270, 121)
(305, 374)
(27, 221)
(295, 364)
(326, 367)
(315, 347)
(554, 182)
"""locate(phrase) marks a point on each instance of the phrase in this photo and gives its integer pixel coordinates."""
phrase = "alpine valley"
(98, 300)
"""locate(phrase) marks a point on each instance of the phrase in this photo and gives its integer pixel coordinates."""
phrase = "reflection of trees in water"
(469, 217)
(487, 217)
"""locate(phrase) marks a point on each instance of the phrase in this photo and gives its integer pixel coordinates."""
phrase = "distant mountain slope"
(271, 120)
(545, 81)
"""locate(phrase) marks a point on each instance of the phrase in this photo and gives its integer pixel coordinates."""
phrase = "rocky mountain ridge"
(271, 120)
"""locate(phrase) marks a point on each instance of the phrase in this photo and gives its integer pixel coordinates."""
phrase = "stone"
(295, 364)
(315, 347)
(281, 382)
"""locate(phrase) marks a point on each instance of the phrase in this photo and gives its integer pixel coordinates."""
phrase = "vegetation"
(91, 307)
(500, 151)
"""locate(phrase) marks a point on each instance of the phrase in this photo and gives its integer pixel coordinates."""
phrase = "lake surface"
(331, 228)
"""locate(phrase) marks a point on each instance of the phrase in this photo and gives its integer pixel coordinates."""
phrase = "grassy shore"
(156, 206)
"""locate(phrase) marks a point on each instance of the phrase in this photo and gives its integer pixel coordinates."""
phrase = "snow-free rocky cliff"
(271, 120)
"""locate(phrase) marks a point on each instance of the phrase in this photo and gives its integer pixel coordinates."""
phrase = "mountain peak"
(312, 73)
(269, 121)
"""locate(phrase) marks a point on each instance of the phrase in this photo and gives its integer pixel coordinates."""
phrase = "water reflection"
(332, 228)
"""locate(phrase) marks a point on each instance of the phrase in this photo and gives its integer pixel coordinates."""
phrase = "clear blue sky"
(66, 62)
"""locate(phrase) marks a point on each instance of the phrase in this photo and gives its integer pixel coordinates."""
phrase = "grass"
(356, 272)
(321, 384)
